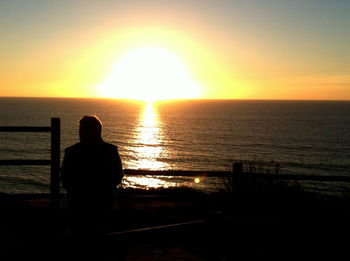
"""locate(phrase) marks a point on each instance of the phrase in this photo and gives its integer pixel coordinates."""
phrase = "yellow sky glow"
(174, 50)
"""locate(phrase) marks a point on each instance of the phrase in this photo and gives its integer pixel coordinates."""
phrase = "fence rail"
(177, 173)
(228, 174)
(24, 129)
(54, 161)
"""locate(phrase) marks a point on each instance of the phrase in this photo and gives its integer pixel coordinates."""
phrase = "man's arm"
(117, 168)
(65, 177)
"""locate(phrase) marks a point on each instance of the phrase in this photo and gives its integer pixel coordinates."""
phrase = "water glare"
(148, 140)
(147, 182)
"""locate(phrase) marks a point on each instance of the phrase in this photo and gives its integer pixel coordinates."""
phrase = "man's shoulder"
(81, 146)
(74, 147)
(110, 146)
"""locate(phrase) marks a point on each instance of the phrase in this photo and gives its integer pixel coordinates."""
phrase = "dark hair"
(90, 127)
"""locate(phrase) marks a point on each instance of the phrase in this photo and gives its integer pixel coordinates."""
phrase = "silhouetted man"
(91, 170)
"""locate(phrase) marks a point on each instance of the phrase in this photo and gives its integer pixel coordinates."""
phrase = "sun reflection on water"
(148, 141)
(148, 148)
(148, 182)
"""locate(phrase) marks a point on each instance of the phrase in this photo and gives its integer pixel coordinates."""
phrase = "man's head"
(90, 128)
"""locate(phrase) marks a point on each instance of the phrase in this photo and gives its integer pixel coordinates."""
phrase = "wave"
(14, 184)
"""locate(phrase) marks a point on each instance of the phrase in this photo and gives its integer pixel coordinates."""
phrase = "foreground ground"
(210, 227)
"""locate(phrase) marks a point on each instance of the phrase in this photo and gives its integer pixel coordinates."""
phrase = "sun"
(149, 74)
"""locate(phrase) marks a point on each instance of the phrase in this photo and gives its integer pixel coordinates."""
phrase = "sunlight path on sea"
(149, 136)
(148, 140)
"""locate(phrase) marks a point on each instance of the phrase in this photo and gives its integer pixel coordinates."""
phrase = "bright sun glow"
(149, 74)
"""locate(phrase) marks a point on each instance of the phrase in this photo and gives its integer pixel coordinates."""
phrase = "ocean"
(303, 137)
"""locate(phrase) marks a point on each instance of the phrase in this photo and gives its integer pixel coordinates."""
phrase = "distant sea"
(303, 137)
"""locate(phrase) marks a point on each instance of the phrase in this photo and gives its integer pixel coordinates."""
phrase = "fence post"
(237, 170)
(55, 161)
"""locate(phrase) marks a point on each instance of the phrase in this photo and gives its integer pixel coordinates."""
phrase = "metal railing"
(54, 161)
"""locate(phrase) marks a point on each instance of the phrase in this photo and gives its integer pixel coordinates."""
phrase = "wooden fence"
(54, 161)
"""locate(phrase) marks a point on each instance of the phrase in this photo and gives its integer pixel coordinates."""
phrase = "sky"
(260, 49)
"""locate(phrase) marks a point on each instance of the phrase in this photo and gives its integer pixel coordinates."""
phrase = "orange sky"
(231, 49)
